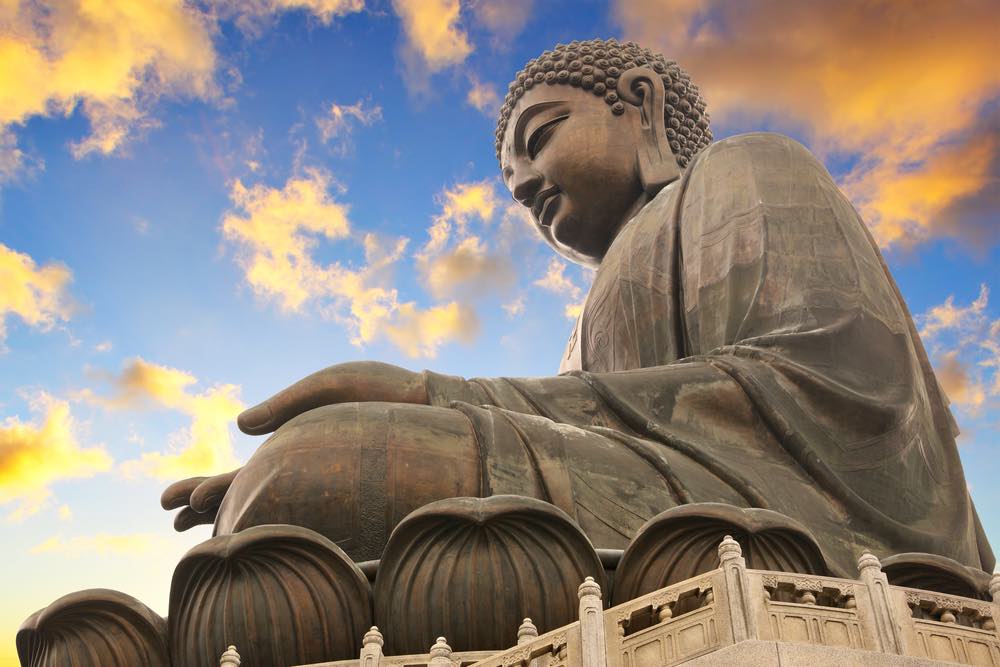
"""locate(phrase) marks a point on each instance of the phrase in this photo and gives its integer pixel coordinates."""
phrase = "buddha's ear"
(657, 164)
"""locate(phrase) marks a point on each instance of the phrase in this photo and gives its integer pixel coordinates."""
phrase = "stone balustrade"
(703, 620)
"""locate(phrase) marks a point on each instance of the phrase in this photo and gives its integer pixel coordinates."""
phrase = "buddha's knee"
(352, 471)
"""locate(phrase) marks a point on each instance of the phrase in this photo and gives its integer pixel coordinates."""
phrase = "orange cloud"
(432, 32)
(205, 447)
(35, 455)
(503, 18)
(902, 90)
(954, 377)
(35, 294)
(112, 59)
(483, 97)
(456, 260)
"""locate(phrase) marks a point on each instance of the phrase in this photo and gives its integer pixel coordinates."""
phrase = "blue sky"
(149, 151)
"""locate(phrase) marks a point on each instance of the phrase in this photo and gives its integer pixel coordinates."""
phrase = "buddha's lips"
(541, 199)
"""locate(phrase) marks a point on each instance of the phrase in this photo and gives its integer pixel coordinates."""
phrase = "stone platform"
(734, 615)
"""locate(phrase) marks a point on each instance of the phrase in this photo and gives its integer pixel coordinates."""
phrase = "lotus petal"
(471, 569)
(93, 628)
(284, 595)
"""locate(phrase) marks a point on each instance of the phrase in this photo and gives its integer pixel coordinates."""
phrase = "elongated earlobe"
(657, 164)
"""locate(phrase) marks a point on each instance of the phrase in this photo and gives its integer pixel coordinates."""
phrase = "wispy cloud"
(336, 123)
(101, 544)
(434, 37)
(556, 281)
(205, 447)
(253, 16)
(965, 344)
(35, 294)
(904, 93)
(483, 97)
(35, 455)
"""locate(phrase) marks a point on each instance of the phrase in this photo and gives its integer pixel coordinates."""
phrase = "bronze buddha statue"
(743, 362)
(743, 343)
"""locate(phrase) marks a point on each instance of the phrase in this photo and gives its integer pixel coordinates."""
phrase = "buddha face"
(572, 163)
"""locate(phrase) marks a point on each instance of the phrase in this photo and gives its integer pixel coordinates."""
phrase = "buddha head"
(589, 133)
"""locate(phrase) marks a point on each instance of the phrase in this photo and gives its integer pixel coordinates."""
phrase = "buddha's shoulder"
(757, 152)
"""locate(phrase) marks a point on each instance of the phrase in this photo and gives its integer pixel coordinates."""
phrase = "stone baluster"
(734, 568)
(995, 587)
(592, 641)
(527, 633)
(371, 648)
(230, 658)
(441, 654)
(872, 576)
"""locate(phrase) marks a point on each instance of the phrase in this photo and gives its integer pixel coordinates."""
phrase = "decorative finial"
(230, 658)
(527, 632)
(589, 587)
(995, 587)
(729, 549)
(868, 560)
(373, 636)
(440, 653)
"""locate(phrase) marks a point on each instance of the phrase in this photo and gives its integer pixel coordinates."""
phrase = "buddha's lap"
(352, 471)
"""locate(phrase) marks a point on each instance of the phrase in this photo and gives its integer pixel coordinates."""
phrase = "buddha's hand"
(356, 381)
(199, 496)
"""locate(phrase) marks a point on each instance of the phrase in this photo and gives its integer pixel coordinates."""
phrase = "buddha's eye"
(541, 135)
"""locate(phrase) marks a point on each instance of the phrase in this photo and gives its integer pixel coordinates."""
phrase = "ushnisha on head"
(590, 132)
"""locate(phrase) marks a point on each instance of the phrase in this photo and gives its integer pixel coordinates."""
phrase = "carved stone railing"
(733, 604)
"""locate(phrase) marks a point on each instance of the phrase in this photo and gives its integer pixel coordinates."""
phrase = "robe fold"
(743, 342)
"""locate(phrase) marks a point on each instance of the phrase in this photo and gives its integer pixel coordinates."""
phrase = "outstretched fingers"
(187, 518)
(179, 493)
(321, 388)
(208, 495)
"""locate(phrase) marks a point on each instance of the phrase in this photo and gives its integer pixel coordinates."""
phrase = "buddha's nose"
(525, 184)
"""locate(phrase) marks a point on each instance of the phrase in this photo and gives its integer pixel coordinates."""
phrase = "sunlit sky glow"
(201, 202)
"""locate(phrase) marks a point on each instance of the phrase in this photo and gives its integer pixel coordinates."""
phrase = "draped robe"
(743, 342)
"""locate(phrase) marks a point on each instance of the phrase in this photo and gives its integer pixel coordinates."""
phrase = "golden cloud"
(102, 544)
(35, 455)
(276, 233)
(901, 91)
(556, 281)
(36, 294)
(432, 32)
(947, 316)
(205, 447)
(111, 59)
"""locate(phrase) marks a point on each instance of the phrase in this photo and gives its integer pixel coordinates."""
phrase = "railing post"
(593, 645)
(441, 654)
(230, 658)
(734, 568)
(371, 648)
(527, 633)
(872, 576)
